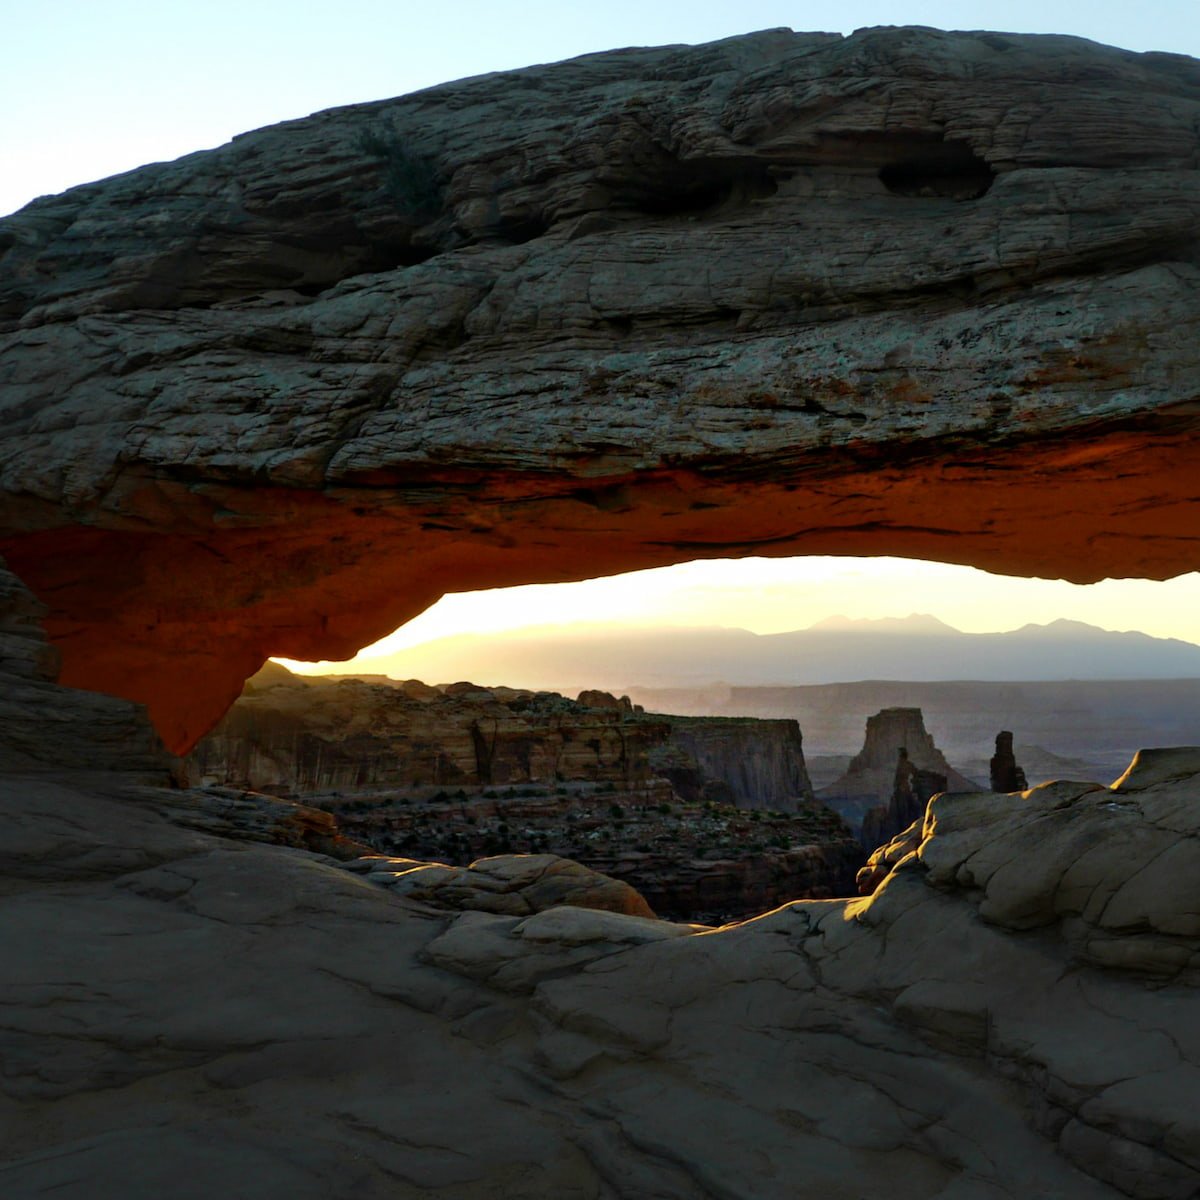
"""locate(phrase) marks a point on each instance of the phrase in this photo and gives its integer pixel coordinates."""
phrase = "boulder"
(511, 884)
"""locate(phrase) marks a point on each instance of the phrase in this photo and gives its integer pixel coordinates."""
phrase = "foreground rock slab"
(904, 292)
(191, 1012)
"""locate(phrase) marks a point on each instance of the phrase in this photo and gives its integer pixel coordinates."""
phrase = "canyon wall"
(293, 735)
(760, 762)
(905, 292)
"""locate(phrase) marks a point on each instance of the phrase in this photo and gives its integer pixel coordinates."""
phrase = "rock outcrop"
(193, 1013)
(511, 884)
(755, 763)
(297, 736)
(912, 789)
(888, 855)
(873, 778)
(1005, 772)
(905, 292)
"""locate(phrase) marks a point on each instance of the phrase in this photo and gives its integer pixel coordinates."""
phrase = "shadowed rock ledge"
(905, 292)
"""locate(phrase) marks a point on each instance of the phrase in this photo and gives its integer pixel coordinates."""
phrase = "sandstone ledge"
(981, 1026)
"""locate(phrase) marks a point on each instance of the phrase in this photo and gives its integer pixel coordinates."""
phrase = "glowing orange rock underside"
(177, 620)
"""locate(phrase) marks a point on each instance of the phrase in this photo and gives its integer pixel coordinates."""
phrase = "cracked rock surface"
(190, 1010)
(905, 292)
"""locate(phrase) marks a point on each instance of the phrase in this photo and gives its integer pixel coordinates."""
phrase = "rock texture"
(887, 855)
(511, 884)
(296, 736)
(905, 292)
(1013, 1013)
(878, 772)
(756, 763)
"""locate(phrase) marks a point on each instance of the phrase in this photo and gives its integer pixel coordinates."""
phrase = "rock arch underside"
(906, 293)
(902, 293)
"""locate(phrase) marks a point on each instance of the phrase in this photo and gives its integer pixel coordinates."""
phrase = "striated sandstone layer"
(759, 762)
(297, 736)
(905, 292)
(292, 735)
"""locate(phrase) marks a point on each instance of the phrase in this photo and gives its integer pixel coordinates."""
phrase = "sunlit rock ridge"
(905, 292)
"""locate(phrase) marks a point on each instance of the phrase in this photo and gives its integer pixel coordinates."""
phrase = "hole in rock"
(948, 170)
(519, 230)
(687, 729)
(680, 189)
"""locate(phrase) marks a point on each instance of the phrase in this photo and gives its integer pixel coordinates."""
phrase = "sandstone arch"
(269, 400)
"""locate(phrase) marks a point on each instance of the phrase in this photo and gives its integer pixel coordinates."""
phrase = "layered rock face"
(871, 779)
(287, 734)
(760, 763)
(297, 736)
(904, 292)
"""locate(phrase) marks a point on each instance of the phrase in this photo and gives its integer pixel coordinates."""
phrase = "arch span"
(271, 400)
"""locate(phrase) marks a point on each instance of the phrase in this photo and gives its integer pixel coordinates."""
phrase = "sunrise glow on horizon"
(775, 595)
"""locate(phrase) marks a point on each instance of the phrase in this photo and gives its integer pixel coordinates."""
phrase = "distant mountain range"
(918, 648)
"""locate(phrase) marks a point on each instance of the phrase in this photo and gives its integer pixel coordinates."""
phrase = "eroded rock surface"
(905, 292)
(191, 1008)
(898, 758)
(508, 884)
(1013, 1013)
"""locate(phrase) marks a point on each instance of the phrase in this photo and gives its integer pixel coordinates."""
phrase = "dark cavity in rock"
(946, 170)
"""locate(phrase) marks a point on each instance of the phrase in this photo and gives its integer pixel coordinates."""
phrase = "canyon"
(1086, 729)
(294, 735)
(904, 292)
(709, 819)
(202, 995)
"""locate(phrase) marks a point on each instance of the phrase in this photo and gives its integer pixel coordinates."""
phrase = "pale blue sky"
(93, 87)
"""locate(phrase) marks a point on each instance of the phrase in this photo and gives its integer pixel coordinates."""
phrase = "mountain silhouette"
(839, 649)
